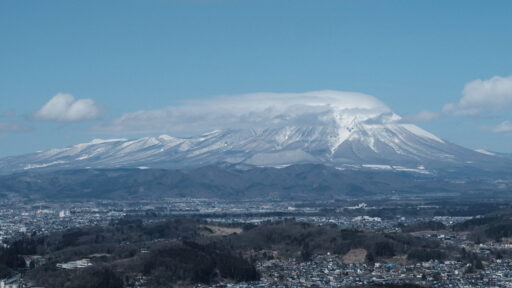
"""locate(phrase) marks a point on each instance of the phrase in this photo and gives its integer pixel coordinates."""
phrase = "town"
(353, 269)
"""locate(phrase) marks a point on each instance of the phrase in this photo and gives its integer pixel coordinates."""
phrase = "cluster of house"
(331, 271)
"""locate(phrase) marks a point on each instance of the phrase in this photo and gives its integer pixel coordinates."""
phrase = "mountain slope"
(343, 140)
(296, 182)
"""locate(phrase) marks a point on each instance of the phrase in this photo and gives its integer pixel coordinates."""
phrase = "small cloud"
(483, 96)
(13, 127)
(503, 127)
(479, 97)
(423, 116)
(66, 108)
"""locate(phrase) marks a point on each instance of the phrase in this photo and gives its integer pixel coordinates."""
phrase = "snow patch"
(166, 137)
(83, 157)
(485, 152)
(396, 168)
(377, 166)
(405, 169)
(420, 132)
(100, 141)
(34, 166)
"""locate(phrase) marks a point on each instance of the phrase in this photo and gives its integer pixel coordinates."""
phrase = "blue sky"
(128, 56)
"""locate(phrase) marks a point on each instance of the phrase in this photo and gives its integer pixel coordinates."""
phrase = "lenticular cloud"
(258, 110)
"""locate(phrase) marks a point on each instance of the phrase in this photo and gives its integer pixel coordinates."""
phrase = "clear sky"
(118, 57)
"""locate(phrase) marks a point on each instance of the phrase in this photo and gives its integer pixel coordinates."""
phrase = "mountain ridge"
(295, 182)
(338, 139)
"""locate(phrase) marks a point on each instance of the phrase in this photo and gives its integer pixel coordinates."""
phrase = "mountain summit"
(347, 138)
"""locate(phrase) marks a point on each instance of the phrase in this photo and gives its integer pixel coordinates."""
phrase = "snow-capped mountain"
(338, 138)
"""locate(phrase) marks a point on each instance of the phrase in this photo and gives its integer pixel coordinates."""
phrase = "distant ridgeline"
(296, 182)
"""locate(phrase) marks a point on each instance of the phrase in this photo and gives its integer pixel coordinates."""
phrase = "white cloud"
(503, 127)
(479, 97)
(244, 111)
(66, 108)
(483, 96)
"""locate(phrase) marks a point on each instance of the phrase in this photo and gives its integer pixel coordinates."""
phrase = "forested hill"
(297, 182)
(188, 252)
